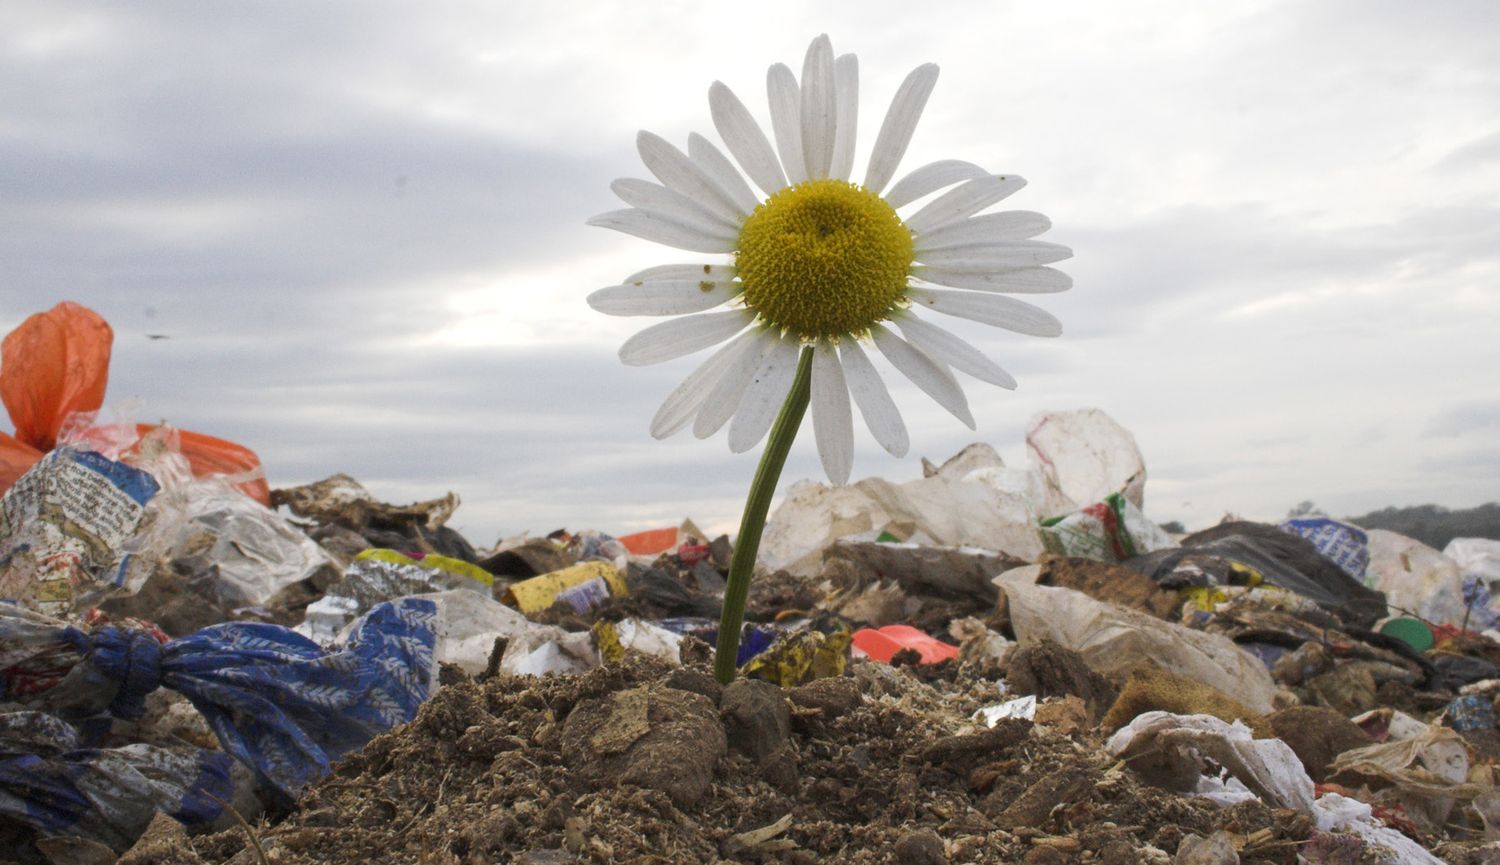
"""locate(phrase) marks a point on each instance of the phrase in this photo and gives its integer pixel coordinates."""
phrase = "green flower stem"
(762, 490)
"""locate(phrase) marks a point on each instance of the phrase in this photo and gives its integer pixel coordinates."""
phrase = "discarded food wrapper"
(801, 655)
(592, 544)
(1345, 545)
(1114, 639)
(549, 651)
(55, 784)
(1021, 707)
(882, 644)
(383, 575)
(64, 527)
(583, 586)
(1111, 530)
(277, 701)
(614, 639)
(755, 637)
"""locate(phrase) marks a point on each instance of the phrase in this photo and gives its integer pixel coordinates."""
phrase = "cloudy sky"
(361, 228)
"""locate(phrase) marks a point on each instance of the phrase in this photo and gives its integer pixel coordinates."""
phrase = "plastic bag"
(1264, 768)
(204, 551)
(1420, 581)
(56, 784)
(55, 366)
(278, 702)
(1083, 456)
(947, 511)
(1114, 639)
(56, 363)
(16, 457)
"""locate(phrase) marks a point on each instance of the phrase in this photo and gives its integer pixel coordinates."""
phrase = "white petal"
(658, 200)
(724, 399)
(716, 165)
(678, 173)
(818, 107)
(995, 256)
(992, 309)
(934, 380)
(1029, 280)
(953, 351)
(745, 139)
(786, 120)
(680, 272)
(683, 403)
(833, 426)
(874, 401)
(662, 297)
(764, 397)
(846, 99)
(930, 178)
(659, 229)
(967, 200)
(680, 336)
(986, 228)
(900, 122)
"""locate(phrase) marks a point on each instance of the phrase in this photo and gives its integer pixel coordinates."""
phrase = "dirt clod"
(659, 738)
(1317, 735)
(923, 847)
(756, 717)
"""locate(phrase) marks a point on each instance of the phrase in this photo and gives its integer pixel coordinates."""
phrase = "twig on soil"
(427, 808)
(260, 852)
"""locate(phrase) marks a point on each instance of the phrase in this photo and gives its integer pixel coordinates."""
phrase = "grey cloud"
(1464, 420)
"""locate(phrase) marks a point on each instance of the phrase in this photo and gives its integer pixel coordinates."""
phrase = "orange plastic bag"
(207, 455)
(54, 364)
(15, 458)
(57, 363)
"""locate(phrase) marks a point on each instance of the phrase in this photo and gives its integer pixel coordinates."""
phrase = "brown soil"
(642, 763)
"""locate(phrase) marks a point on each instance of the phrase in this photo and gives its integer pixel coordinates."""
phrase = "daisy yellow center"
(824, 258)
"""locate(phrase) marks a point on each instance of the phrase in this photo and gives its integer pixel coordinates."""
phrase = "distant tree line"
(1435, 525)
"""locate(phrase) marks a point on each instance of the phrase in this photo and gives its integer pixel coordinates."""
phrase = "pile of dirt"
(641, 762)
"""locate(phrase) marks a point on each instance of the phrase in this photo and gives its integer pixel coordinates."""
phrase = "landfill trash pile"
(990, 663)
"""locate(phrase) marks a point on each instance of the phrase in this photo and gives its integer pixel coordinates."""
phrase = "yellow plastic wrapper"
(582, 586)
(802, 656)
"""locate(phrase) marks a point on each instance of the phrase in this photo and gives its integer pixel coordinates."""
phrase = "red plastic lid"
(885, 642)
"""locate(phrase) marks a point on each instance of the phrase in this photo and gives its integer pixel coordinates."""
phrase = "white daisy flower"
(822, 268)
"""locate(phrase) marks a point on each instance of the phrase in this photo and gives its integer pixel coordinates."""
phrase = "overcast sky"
(361, 228)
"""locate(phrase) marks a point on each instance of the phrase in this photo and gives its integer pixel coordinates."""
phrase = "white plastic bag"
(1114, 639)
(1420, 581)
(1083, 456)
